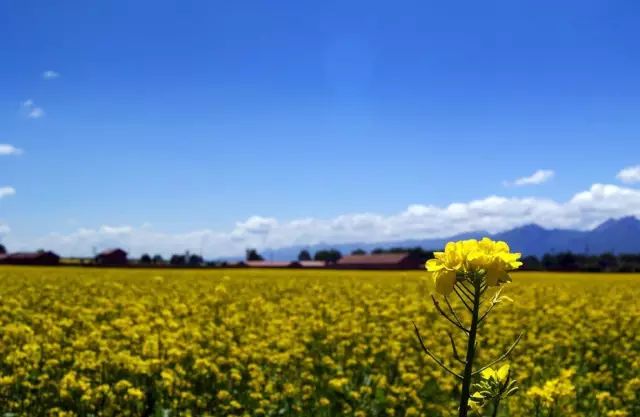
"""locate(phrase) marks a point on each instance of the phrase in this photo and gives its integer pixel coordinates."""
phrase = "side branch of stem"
(502, 357)
(462, 298)
(432, 356)
(465, 290)
(453, 312)
(454, 322)
(486, 313)
(455, 350)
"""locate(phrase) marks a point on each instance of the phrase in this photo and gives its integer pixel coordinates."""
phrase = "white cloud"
(31, 110)
(583, 211)
(6, 149)
(7, 191)
(255, 225)
(116, 230)
(538, 177)
(50, 75)
(35, 113)
(4, 229)
(629, 175)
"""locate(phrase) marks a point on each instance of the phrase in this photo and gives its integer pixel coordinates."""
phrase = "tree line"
(334, 255)
(184, 259)
(252, 254)
(574, 262)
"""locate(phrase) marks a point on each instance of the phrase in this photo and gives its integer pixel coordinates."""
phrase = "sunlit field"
(112, 342)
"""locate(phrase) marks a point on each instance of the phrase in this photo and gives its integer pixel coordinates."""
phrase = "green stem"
(495, 407)
(471, 347)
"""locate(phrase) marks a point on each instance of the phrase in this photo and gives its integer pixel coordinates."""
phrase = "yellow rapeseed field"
(118, 342)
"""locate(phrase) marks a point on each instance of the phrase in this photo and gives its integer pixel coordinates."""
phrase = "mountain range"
(614, 235)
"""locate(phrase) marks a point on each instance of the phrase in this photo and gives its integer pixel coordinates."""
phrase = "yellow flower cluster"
(555, 391)
(499, 375)
(492, 260)
(78, 342)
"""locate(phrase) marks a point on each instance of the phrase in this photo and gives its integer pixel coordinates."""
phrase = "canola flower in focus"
(461, 258)
(109, 342)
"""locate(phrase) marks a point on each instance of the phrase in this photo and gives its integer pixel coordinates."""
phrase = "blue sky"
(170, 121)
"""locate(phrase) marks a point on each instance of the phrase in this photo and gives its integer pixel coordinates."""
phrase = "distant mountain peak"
(531, 227)
(623, 224)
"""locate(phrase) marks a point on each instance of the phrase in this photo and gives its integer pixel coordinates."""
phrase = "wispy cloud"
(538, 177)
(6, 149)
(7, 191)
(36, 113)
(50, 75)
(31, 110)
(629, 175)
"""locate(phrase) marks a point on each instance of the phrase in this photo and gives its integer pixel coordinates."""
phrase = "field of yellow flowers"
(118, 342)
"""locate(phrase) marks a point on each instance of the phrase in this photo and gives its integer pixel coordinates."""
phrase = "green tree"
(328, 255)
(608, 262)
(158, 259)
(629, 262)
(304, 255)
(567, 261)
(145, 259)
(531, 263)
(253, 255)
(178, 259)
(3, 250)
(415, 252)
(195, 260)
(359, 252)
(549, 262)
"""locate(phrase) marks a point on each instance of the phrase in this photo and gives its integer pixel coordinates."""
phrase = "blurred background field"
(110, 342)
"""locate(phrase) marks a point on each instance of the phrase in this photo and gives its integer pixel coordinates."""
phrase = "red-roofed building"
(272, 264)
(381, 261)
(30, 258)
(112, 257)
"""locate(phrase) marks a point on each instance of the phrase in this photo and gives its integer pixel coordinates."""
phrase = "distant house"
(381, 261)
(272, 264)
(112, 257)
(30, 258)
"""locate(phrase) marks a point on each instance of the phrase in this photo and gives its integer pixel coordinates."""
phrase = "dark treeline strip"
(568, 261)
(561, 261)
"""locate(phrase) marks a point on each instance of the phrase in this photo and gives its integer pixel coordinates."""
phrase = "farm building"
(112, 257)
(30, 258)
(381, 261)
